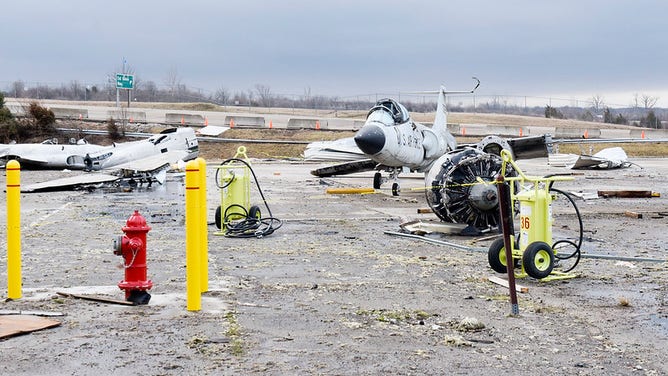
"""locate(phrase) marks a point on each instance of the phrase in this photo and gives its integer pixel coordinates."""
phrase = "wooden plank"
(632, 214)
(96, 298)
(628, 194)
(12, 325)
(504, 283)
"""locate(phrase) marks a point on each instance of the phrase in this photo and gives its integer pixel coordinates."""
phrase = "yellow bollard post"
(13, 169)
(204, 233)
(193, 290)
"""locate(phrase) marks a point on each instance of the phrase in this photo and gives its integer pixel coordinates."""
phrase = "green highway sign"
(125, 81)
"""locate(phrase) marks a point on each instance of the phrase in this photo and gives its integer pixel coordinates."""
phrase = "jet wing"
(152, 163)
(70, 182)
(343, 149)
(345, 168)
(32, 162)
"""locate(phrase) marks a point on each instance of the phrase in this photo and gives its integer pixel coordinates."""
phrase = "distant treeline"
(641, 114)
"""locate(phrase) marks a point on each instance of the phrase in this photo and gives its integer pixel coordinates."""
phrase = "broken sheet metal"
(609, 158)
(420, 228)
(212, 130)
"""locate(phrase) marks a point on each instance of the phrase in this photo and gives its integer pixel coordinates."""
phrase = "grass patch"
(632, 149)
(234, 334)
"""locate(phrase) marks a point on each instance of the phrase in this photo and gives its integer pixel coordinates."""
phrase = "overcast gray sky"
(566, 48)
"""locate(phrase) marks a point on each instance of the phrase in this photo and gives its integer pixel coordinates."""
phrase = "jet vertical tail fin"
(441, 120)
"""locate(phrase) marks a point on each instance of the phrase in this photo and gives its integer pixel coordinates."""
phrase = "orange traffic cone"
(642, 135)
(521, 133)
(206, 121)
(183, 121)
(317, 125)
(231, 123)
(586, 134)
(463, 131)
(271, 125)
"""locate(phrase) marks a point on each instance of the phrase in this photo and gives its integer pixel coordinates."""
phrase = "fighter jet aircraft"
(135, 161)
(455, 177)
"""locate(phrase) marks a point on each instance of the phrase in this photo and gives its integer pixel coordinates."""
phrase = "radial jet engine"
(455, 176)
(135, 161)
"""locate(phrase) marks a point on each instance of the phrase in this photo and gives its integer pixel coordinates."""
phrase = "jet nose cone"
(370, 139)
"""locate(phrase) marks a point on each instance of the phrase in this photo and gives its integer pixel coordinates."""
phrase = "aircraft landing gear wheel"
(395, 189)
(218, 218)
(377, 180)
(538, 260)
(254, 212)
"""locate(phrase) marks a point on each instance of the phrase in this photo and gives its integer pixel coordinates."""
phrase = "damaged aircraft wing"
(70, 182)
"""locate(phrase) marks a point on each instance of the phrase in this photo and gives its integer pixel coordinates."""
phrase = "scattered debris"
(631, 214)
(420, 227)
(96, 298)
(457, 341)
(624, 301)
(13, 325)
(629, 194)
(439, 242)
(608, 158)
(470, 324)
(585, 195)
(5, 312)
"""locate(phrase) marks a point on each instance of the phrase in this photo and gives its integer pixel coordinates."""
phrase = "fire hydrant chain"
(134, 255)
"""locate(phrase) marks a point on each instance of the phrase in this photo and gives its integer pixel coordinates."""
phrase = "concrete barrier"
(132, 116)
(648, 133)
(184, 119)
(468, 129)
(507, 130)
(296, 123)
(577, 133)
(245, 121)
(69, 113)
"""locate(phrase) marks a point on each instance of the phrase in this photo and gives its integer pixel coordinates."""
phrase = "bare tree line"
(173, 90)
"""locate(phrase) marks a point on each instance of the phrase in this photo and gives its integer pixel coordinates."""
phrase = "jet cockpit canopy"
(388, 111)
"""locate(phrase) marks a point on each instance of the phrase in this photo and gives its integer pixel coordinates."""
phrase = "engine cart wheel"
(395, 189)
(538, 260)
(254, 212)
(497, 256)
(377, 180)
(218, 218)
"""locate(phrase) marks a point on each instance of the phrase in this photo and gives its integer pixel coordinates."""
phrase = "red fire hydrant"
(132, 246)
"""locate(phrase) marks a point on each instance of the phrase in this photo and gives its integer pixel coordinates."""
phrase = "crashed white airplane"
(137, 161)
(391, 141)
